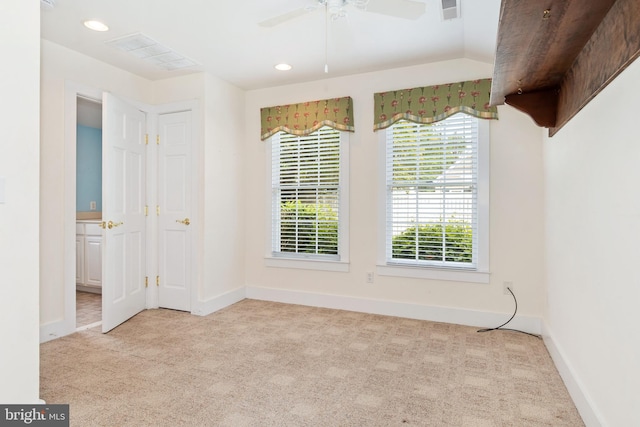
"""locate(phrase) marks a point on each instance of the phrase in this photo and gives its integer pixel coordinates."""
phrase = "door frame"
(152, 198)
(72, 91)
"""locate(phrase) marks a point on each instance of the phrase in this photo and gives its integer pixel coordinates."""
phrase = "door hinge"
(158, 210)
(157, 139)
(157, 280)
(146, 139)
(146, 281)
(146, 210)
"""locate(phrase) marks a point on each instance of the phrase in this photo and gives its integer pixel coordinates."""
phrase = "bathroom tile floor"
(88, 308)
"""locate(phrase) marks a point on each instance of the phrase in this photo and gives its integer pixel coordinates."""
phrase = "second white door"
(174, 210)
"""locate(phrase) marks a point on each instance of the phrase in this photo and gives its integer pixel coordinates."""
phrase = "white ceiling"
(224, 37)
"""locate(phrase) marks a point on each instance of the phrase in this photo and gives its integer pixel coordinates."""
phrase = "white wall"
(19, 165)
(592, 207)
(224, 202)
(516, 210)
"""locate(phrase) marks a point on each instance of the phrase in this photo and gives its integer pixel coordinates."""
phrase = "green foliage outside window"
(428, 243)
(308, 228)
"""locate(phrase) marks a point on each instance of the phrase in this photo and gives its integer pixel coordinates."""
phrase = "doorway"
(88, 213)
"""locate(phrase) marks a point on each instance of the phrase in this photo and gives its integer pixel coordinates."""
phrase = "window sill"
(307, 264)
(434, 273)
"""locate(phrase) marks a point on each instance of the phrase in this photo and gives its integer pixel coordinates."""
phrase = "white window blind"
(306, 190)
(432, 193)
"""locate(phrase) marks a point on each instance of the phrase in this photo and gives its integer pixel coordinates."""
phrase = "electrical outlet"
(506, 285)
(369, 276)
(92, 205)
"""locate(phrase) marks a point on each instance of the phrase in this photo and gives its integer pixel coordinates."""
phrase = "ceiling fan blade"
(405, 9)
(277, 20)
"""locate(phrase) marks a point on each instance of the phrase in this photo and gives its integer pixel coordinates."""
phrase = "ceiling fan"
(406, 9)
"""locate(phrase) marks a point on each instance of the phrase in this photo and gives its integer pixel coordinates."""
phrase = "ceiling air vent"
(450, 10)
(149, 50)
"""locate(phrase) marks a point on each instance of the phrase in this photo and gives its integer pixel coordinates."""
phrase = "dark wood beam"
(538, 40)
(613, 47)
(541, 105)
(577, 46)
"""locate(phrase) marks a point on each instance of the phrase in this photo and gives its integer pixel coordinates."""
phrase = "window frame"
(479, 274)
(340, 262)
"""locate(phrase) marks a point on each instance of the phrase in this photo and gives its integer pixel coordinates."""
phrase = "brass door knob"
(184, 221)
(112, 224)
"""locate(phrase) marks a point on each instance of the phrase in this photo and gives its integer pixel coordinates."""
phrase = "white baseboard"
(219, 302)
(394, 308)
(581, 399)
(54, 330)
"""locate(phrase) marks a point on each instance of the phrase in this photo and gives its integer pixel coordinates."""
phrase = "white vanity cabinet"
(89, 254)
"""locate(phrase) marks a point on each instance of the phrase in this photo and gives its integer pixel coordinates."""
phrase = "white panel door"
(174, 219)
(123, 198)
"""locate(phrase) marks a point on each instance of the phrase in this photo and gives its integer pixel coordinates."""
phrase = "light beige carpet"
(259, 363)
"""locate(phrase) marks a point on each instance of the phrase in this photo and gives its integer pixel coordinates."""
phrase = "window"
(308, 197)
(436, 198)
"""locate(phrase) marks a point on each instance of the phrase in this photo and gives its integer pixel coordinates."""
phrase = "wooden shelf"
(553, 57)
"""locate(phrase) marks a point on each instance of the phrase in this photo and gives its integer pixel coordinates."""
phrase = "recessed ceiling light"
(283, 67)
(96, 25)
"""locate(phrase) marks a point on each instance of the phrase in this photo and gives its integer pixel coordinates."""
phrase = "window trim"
(481, 273)
(310, 261)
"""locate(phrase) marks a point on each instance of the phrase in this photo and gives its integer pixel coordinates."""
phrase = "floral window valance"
(433, 103)
(307, 117)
